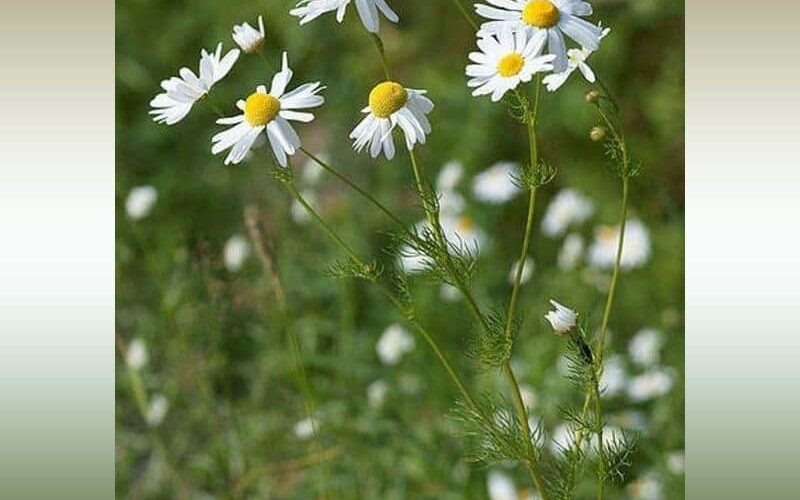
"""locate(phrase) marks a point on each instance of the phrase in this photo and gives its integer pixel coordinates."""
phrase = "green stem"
(467, 17)
(378, 43)
(355, 187)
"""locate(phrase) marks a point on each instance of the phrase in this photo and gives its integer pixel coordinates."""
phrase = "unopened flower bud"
(592, 96)
(597, 134)
(562, 319)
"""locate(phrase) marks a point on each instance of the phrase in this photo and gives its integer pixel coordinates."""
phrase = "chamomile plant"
(521, 49)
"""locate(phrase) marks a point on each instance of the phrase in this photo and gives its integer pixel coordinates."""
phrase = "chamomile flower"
(644, 348)
(181, 92)
(249, 38)
(527, 271)
(235, 252)
(651, 384)
(156, 410)
(571, 252)
(268, 112)
(561, 318)
(635, 247)
(496, 185)
(450, 201)
(500, 486)
(568, 207)
(555, 18)
(136, 355)
(505, 60)
(308, 10)
(576, 59)
(395, 342)
(140, 202)
(391, 105)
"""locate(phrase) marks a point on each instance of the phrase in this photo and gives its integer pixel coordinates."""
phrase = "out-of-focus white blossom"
(646, 487)
(140, 202)
(567, 208)
(449, 293)
(299, 212)
(500, 486)
(614, 378)
(236, 252)
(496, 185)
(376, 393)
(571, 252)
(635, 248)
(527, 271)
(136, 355)
(304, 429)
(649, 385)
(676, 462)
(449, 176)
(528, 396)
(644, 348)
(157, 410)
(395, 342)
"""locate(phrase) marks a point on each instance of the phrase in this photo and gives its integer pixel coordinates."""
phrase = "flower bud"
(592, 96)
(562, 319)
(597, 134)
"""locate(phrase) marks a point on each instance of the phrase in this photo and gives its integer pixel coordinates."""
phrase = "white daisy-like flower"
(506, 59)
(649, 385)
(527, 271)
(635, 247)
(562, 318)
(571, 252)
(140, 201)
(235, 252)
(157, 410)
(644, 348)
(269, 112)
(576, 59)
(136, 354)
(554, 18)
(376, 393)
(395, 342)
(308, 10)
(249, 38)
(181, 92)
(496, 185)
(500, 486)
(391, 105)
(304, 429)
(567, 208)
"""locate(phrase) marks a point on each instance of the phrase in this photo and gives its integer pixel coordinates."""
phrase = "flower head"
(308, 10)
(269, 112)
(496, 185)
(506, 59)
(553, 18)
(249, 38)
(136, 354)
(235, 253)
(576, 59)
(394, 343)
(181, 92)
(644, 348)
(562, 318)
(635, 247)
(157, 410)
(568, 207)
(140, 201)
(391, 105)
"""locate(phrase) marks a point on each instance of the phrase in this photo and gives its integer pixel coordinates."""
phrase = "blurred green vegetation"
(216, 346)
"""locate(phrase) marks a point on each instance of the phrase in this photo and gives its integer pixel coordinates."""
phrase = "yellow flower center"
(386, 98)
(260, 109)
(465, 224)
(541, 14)
(510, 65)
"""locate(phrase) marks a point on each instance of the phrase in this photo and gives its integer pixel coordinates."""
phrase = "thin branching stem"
(378, 43)
(466, 15)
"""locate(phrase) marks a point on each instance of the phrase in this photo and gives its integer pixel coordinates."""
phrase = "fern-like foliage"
(493, 433)
(491, 346)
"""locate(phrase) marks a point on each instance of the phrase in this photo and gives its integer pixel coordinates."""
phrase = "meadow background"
(217, 412)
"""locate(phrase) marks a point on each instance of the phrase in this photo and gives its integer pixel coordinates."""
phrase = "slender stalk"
(270, 265)
(354, 186)
(376, 40)
(467, 17)
(414, 323)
